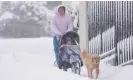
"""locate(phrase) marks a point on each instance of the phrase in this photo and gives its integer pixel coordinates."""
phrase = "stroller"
(69, 52)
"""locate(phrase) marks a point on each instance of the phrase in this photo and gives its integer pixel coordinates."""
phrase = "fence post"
(115, 45)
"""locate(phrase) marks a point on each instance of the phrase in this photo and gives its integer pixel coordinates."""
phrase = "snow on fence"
(94, 45)
(111, 30)
(107, 40)
(124, 50)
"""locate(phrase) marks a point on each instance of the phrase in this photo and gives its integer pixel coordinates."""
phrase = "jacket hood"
(56, 10)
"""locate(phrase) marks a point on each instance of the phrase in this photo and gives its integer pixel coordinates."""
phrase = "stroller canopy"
(71, 34)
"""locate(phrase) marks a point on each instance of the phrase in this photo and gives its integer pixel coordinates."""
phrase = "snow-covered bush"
(24, 18)
(74, 12)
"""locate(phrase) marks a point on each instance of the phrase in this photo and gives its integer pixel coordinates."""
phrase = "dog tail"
(84, 51)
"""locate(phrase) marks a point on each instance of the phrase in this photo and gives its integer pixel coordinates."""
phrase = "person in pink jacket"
(60, 24)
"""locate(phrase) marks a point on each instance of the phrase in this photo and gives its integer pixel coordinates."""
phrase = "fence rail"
(111, 27)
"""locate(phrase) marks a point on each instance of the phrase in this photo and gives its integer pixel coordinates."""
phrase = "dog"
(91, 62)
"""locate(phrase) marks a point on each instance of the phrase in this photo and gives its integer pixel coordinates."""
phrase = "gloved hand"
(65, 32)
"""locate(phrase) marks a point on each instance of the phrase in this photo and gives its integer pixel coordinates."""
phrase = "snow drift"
(32, 59)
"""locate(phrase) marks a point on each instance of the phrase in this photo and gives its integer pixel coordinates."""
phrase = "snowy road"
(32, 59)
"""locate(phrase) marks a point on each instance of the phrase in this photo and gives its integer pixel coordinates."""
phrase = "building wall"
(83, 25)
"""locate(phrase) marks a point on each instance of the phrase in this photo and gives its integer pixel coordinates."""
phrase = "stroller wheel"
(64, 68)
(76, 68)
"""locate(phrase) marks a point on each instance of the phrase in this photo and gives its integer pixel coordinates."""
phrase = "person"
(60, 24)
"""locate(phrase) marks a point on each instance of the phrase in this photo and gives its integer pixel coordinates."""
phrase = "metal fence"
(111, 28)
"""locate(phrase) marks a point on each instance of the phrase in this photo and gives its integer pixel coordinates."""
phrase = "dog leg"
(88, 72)
(97, 72)
(91, 73)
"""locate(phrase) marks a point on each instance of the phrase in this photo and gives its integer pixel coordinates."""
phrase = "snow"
(42, 9)
(108, 58)
(128, 62)
(29, 13)
(35, 18)
(6, 15)
(23, 7)
(33, 59)
(125, 49)
(108, 53)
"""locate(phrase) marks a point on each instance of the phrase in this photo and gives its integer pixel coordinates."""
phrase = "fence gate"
(111, 29)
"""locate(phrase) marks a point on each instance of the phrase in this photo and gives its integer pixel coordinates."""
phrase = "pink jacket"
(61, 24)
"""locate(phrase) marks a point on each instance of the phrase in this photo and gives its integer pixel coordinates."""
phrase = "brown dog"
(91, 62)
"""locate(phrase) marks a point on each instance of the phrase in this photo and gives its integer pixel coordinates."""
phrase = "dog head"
(96, 59)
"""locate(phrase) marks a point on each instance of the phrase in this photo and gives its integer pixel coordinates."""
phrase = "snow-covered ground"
(33, 59)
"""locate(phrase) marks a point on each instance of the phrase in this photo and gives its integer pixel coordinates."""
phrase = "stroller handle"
(69, 34)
